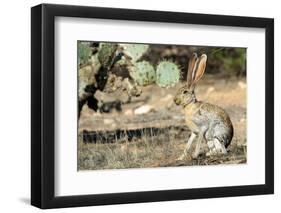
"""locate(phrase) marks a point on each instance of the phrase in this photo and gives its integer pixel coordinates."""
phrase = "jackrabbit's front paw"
(214, 153)
(210, 153)
(194, 156)
(185, 157)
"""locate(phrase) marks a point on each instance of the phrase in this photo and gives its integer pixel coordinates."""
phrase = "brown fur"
(208, 121)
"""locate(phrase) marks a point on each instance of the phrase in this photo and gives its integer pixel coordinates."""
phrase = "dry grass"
(152, 152)
(163, 149)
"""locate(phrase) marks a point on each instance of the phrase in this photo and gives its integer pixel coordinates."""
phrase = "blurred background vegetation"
(222, 61)
(127, 116)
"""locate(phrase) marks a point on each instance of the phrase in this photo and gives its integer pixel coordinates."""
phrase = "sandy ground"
(157, 129)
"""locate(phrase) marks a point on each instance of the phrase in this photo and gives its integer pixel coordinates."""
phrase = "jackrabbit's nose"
(176, 101)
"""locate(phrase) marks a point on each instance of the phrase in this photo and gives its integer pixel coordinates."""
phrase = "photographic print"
(168, 104)
(158, 105)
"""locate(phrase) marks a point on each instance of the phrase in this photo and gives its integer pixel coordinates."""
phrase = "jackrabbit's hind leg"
(215, 148)
(188, 146)
(212, 148)
(220, 148)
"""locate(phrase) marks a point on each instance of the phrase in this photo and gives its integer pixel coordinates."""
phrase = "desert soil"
(150, 130)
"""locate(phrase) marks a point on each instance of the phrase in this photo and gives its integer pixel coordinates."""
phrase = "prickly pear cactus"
(167, 74)
(86, 74)
(143, 73)
(106, 54)
(84, 52)
(135, 51)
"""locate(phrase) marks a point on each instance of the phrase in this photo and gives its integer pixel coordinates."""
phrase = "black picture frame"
(43, 102)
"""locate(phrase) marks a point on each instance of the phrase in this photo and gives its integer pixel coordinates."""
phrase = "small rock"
(129, 112)
(143, 109)
(242, 85)
(210, 90)
(108, 121)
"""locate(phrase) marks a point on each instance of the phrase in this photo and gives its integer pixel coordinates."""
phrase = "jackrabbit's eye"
(185, 92)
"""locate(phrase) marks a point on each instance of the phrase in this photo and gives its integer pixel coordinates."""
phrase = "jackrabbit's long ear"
(199, 69)
(191, 65)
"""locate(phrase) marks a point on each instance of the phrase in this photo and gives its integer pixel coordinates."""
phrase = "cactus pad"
(84, 52)
(106, 54)
(143, 73)
(167, 74)
(135, 51)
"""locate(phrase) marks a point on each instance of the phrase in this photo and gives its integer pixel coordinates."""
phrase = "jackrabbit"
(206, 121)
